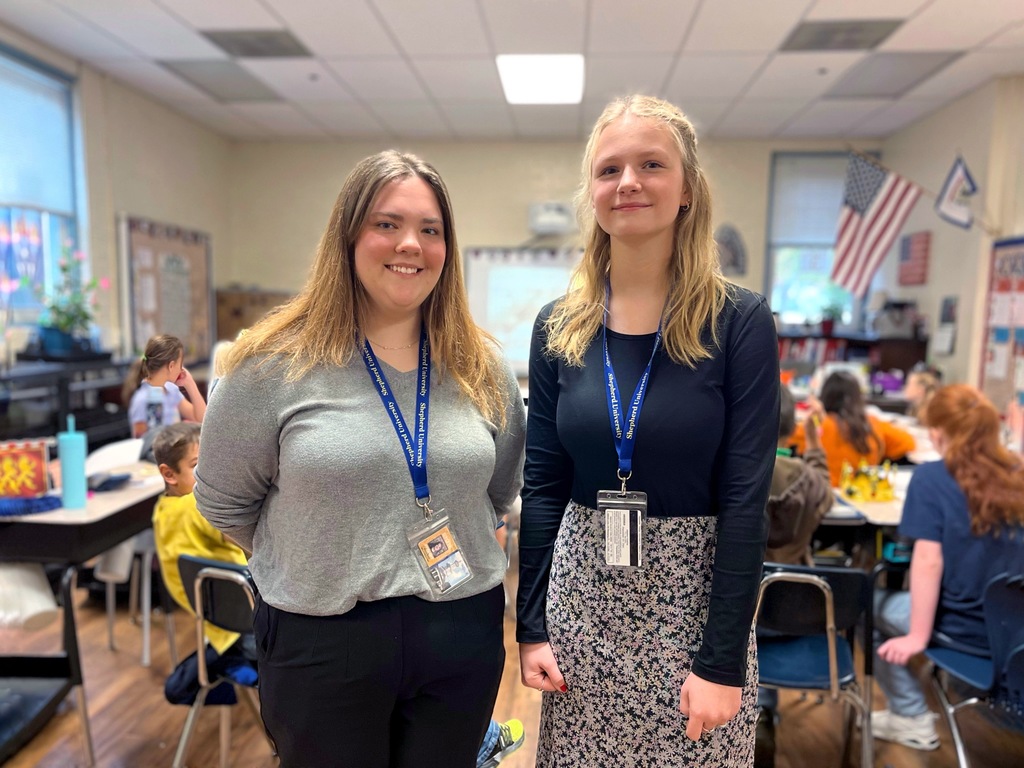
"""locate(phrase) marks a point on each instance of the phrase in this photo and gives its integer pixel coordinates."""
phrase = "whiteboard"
(509, 286)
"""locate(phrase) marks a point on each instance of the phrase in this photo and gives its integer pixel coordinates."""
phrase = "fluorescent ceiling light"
(542, 78)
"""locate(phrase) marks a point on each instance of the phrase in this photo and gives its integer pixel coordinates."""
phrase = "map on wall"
(507, 288)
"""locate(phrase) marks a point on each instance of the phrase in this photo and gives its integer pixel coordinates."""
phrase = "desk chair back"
(812, 614)
(999, 677)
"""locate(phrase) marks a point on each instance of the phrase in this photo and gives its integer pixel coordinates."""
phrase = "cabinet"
(800, 349)
(36, 398)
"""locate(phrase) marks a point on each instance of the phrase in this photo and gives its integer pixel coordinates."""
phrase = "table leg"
(147, 600)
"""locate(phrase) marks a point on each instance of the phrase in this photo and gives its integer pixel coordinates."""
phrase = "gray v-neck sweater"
(311, 477)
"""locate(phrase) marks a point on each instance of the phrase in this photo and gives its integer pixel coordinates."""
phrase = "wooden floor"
(133, 726)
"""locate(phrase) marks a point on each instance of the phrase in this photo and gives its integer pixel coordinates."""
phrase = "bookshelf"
(798, 349)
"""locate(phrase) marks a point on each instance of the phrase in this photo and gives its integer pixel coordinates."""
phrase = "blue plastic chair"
(812, 614)
(999, 678)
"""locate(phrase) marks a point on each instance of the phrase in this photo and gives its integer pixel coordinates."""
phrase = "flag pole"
(991, 231)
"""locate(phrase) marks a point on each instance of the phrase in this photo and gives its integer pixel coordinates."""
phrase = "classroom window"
(37, 184)
(806, 195)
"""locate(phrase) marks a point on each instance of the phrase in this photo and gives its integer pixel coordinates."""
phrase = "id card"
(625, 516)
(439, 556)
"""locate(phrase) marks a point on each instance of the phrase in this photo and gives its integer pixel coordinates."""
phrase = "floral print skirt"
(625, 641)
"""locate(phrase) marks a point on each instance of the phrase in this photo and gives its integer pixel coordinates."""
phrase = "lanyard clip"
(623, 478)
(424, 504)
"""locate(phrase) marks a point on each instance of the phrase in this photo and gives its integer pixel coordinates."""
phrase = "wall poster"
(1002, 370)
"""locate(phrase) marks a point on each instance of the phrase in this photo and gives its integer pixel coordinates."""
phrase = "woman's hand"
(899, 650)
(539, 668)
(707, 705)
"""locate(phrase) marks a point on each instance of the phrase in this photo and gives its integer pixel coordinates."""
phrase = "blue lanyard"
(624, 432)
(415, 453)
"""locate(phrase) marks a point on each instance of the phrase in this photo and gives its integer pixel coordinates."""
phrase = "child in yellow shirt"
(178, 527)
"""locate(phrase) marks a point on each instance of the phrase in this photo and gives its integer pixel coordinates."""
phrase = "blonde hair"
(321, 326)
(698, 290)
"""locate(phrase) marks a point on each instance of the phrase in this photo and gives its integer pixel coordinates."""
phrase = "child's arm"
(194, 408)
(926, 567)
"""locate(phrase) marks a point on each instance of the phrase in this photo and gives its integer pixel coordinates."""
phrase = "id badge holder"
(625, 517)
(439, 556)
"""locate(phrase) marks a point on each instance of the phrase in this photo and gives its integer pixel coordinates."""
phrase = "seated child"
(178, 527)
(849, 434)
(152, 388)
(801, 494)
(921, 386)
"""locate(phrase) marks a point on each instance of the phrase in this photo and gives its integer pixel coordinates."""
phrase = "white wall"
(958, 265)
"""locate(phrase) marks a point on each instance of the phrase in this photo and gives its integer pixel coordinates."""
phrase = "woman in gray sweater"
(379, 620)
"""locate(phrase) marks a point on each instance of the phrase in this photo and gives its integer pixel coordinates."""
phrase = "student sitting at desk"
(800, 494)
(848, 433)
(966, 516)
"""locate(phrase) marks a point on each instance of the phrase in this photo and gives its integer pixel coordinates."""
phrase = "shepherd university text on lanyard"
(625, 512)
(432, 539)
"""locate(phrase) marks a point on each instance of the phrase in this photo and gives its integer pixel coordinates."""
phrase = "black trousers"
(393, 683)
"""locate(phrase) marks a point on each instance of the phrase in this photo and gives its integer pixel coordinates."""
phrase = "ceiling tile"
(561, 121)
(425, 29)
(221, 118)
(757, 119)
(970, 71)
(298, 79)
(236, 14)
(282, 119)
(146, 27)
(348, 120)
(864, 9)
(617, 28)
(535, 26)
(1011, 37)
(888, 74)
(801, 75)
(462, 79)
(478, 120)
(413, 119)
(64, 31)
(223, 80)
(828, 117)
(711, 77)
(332, 29)
(379, 80)
(739, 25)
(608, 77)
(949, 25)
(895, 117)
(152, 79)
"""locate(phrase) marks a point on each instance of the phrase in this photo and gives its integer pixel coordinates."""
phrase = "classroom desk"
(37, 684)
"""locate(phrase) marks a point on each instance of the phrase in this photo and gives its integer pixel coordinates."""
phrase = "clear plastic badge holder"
(625, 517)
(439, 555)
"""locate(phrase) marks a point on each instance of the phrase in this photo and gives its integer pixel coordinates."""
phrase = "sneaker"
(510, 738)
(917, 732)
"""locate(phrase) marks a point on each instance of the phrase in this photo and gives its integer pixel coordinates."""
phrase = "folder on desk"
(842, 510)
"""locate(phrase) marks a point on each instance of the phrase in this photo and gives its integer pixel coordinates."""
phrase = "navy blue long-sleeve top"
(705, 445)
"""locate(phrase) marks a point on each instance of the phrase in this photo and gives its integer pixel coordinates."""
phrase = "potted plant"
(830, 315)
(69, 308)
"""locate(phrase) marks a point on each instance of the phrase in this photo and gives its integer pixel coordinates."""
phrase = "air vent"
(840, 35)
(257, 43)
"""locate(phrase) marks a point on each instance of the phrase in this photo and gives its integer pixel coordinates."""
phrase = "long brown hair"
(698, 289)
(841, 396)
(160, 351)
(990, 476)
(320, 326)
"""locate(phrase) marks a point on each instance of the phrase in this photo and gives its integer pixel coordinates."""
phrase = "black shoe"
(764, 744)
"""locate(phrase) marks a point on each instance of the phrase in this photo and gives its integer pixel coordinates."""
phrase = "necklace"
(392, 349)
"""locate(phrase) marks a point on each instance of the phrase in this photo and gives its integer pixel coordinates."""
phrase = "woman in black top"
(636, 621)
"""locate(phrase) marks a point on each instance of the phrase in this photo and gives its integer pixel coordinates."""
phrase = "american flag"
(876, 203)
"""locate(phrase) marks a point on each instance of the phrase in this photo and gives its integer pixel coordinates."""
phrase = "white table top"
(146, 483)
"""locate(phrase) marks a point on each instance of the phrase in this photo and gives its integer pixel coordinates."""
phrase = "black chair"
(812, 614)
(223, 594)
(998, 678)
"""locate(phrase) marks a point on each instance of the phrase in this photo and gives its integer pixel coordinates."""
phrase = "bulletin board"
(167, 286)
(1002, 370)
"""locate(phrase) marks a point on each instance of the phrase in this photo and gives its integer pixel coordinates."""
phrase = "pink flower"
(105, 283)
(79, 255)
(63, 263)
